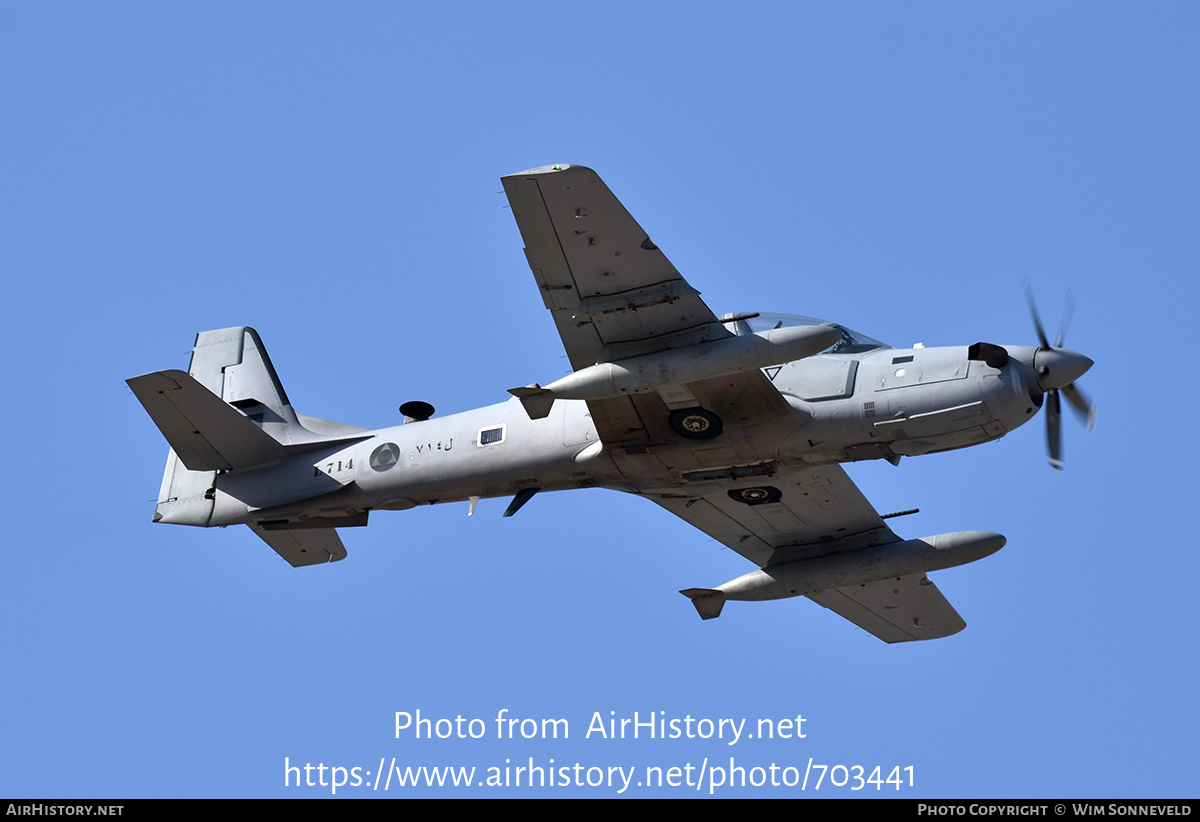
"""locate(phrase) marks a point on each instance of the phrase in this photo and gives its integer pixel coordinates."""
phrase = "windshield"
(852, 342)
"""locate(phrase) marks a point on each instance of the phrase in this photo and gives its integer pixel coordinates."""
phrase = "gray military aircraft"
(736, 424)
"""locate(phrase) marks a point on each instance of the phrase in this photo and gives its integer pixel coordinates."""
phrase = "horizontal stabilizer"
(207, 433)
(708, 601)
(315, 546)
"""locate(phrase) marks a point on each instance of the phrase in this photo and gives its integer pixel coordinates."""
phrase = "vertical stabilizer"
(233, 364)
(228, 413)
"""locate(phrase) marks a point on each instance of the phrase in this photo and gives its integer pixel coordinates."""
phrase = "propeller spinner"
(1056, 369)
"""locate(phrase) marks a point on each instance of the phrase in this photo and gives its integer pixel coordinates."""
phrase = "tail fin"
(233, 364)
(228, 412)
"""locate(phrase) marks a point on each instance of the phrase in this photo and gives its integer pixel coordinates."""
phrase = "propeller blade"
(1037, 321)
(1068, 313)
(1082, 404)
(1054, 430)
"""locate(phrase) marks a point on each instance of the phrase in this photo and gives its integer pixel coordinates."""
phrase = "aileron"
(895, 610)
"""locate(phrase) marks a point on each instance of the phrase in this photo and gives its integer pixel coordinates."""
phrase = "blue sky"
(330, 175)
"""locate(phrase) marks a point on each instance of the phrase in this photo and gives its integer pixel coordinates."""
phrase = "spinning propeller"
(1055, 368)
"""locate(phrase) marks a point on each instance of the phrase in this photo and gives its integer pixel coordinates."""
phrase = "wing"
(792, 514)
(895, 610)
(808, 512)
(614, 294)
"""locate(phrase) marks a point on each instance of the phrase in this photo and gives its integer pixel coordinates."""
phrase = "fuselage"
(879, 403)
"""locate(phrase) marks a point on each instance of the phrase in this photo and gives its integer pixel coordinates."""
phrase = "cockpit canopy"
(852, 342)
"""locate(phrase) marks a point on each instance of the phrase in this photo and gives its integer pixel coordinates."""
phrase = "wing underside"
(895, 610)
(612, 292)
(807, 513)
(780, 514)
(313, 546)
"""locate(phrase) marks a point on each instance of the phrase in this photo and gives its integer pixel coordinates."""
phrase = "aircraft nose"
(1057, 367)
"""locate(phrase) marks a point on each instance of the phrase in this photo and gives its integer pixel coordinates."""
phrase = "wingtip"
(549, 169)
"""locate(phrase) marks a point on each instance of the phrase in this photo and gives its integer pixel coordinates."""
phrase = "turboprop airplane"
(737, 424)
